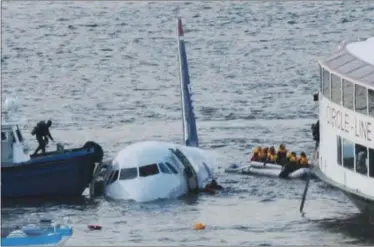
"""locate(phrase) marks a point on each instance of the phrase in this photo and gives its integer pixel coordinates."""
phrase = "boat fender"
(98, 151)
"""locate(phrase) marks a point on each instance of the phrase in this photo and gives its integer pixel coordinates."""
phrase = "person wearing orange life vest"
(292, 158)
(303, 159)
(264, 154)
(289, 156)
(281, 154)
(256, 154)
(272, 156)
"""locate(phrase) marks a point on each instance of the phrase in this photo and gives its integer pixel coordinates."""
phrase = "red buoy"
(94, 227)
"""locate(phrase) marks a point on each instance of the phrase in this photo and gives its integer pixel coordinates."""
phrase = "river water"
(107, 71)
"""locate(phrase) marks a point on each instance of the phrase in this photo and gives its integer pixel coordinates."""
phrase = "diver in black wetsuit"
(41, 131)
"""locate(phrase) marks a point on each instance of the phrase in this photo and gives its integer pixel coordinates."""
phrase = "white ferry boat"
(346, 122)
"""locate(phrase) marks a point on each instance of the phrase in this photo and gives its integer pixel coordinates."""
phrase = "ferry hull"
(365, 206)
(363, 203)
(54, 174)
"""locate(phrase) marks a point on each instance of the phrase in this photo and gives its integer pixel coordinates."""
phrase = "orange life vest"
(303, 161)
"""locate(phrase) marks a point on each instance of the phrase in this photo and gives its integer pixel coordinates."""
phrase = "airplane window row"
(355, 157)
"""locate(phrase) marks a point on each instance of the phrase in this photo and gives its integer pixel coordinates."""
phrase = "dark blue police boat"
(64, 172)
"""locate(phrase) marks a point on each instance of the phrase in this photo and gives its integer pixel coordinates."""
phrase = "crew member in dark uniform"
(315, 133)
(41, 131)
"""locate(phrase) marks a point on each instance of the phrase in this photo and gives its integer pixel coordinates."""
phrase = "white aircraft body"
(152, 170)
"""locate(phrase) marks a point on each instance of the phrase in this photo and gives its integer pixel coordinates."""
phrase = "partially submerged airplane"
(151, 170)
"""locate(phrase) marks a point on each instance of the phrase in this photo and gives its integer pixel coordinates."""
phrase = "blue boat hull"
(54, 174)
(35, 235)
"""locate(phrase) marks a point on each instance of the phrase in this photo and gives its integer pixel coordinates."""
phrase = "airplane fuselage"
(150, 170)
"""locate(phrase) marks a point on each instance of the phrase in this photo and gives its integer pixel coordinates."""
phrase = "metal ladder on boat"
(191, 175)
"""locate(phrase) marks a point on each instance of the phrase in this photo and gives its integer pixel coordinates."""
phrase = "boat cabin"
(12, 145)
(346, 108)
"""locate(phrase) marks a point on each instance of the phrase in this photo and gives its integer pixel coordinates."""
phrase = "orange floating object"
(199, 226)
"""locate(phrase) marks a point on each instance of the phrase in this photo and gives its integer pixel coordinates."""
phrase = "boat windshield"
(128, 173)
(3, 136)
(19, 134)
(148, 170)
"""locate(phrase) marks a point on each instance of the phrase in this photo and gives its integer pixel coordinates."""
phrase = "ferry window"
(3, 136)
(336, 93)
(360, 99)
(348, 154)
(361, 159)
(371, 102)
(148, 170)
(339, 151)
(371, 162)
(348, 94)
(113, 177)
(326, 83)
(164, 168)
(172, 168)
(128, 173)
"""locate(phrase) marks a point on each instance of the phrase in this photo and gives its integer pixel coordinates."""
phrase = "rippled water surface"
(107, 71)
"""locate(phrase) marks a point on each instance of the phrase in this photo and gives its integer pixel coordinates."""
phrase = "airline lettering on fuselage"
(349, 123)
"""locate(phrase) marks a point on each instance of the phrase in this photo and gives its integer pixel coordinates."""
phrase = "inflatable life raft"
(257, 168)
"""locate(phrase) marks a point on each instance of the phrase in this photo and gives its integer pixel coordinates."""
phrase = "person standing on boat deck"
(41, 131)
(315, 133)
(361, 162)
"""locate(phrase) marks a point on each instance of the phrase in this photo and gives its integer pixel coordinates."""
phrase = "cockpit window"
(164, 168)
(172, 168)
(113, 177)
(128, 173)
(148, 170)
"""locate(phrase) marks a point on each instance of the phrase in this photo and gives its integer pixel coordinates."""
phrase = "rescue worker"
(281, 154)
(361, 160)
(303, 160)
(272, 156)
(315, 133)
(41, 131)
(290, 166)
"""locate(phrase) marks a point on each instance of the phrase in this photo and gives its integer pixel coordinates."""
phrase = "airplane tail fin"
(188, 115)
